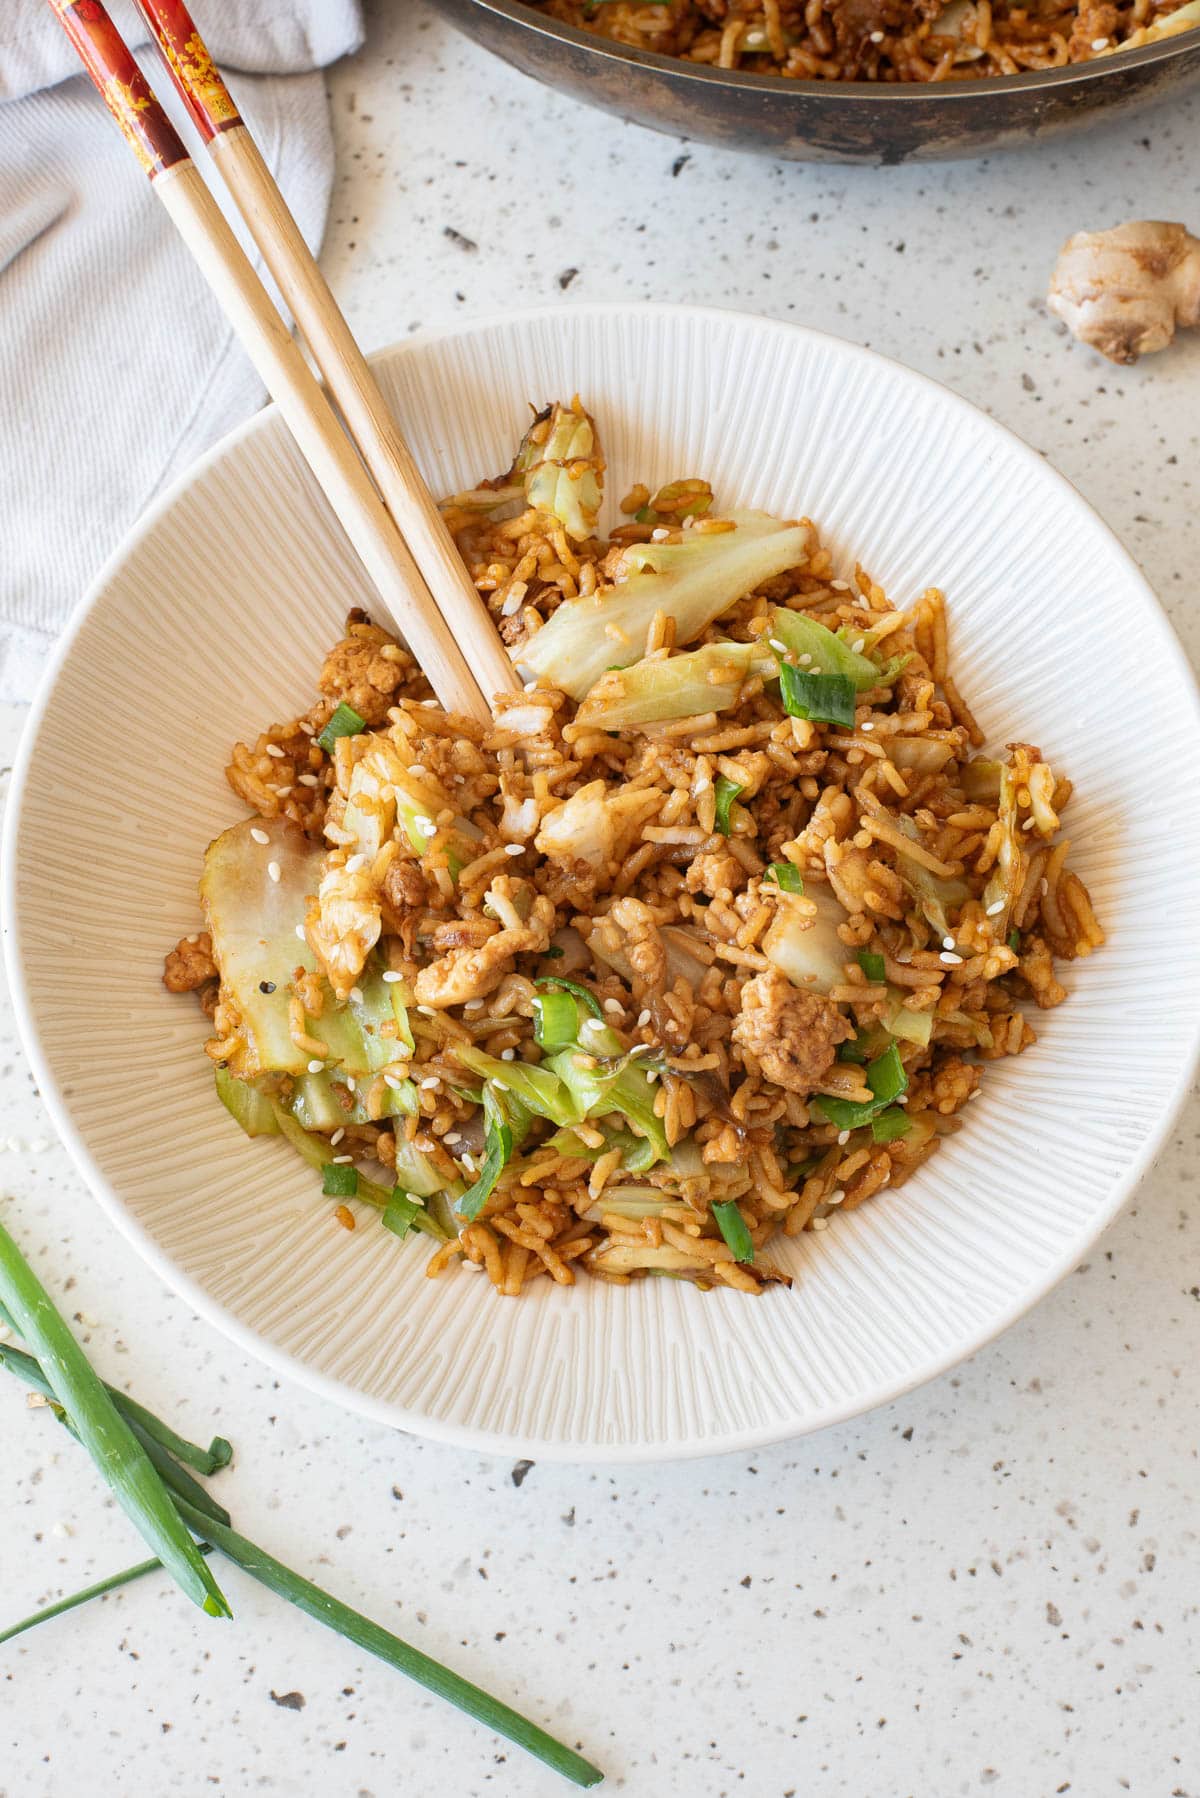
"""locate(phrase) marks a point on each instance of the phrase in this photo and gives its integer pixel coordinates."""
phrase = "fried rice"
(876, 40)
(708, 938)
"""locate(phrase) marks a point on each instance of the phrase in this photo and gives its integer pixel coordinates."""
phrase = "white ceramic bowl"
(212, 619)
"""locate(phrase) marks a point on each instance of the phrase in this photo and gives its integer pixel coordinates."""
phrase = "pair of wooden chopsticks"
(381, 501)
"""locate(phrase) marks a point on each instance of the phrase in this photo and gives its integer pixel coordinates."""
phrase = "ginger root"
(1126, 291)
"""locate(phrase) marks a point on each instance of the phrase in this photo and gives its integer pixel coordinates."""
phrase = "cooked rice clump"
(768, 910)
(869, 40)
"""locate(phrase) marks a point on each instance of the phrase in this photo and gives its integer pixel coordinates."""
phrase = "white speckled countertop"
(990, 1585)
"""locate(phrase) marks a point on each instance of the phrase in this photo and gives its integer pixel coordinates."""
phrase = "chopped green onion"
(872, 965)
(345, 722)
(732, 1226)
(498, 1147)
(786, 876)
(825, 697)
(644, 514)
(726, 792)
(887, 1081)
(571, 986)
(555, 1020)
(890, 1124)
(553, 953)
(1014, 941)
(101, 1428)
(400, 1213)
(338, 1181)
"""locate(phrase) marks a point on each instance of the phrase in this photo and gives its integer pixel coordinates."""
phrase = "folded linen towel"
(116, 366)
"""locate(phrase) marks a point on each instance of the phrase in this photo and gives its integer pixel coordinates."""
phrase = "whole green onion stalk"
(141, 1458)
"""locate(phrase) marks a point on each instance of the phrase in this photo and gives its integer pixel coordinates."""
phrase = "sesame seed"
(836, 1197)
(426, 826)
(342, 1160)
(355, 995)
(660, 535)
(315, 1067)
(780, 648)
(500, 1086)
(804, 661)
(354, 863)
(843, 1138)
(815, 668)
(273, 870)
(275, 750)
(452, 1136)
(877, 37)
(388, 1080)
(391, 976)
(1045, 886)
(427, 1011)
(260, 836)
(651, 1075)
(471, 1004)
(283, 792)
(514, 848)
(840, 586)
(1028, 824)
(508, 1054)
(614, 1006)
(194, 937)
(867, 725)
(529, 687)
(977, 1094)
(951, 961)
(468, 1161)
(337, 1136)
(512, 603)
(1099, 43)
(643, 1019)
(995, 908)
(820, 1223)
(857, 646)
(428, 1084)
(308, 780)
(351, 1083)
(947, 942)
(300, 932)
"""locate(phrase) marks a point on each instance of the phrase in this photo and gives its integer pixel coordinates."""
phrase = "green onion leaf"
(890, 1124)
(376, 1640)
(786, 876)
(824, 697)
(571, 986)
(345, 722)
(726, 792)
(887, 1081)
(101, 1428)
(99, 1590)
(644, 514)
(732, 1226)
(553, 953)
(872, 965)
(339, 1181)
(1014, 941)
(555, 1020)
(498, 1147)
(400, 1213)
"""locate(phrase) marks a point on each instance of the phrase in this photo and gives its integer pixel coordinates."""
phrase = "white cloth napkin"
(116, 366)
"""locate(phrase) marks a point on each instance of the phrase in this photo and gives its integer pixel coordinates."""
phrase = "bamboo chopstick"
(328, 451)
(347, 373)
